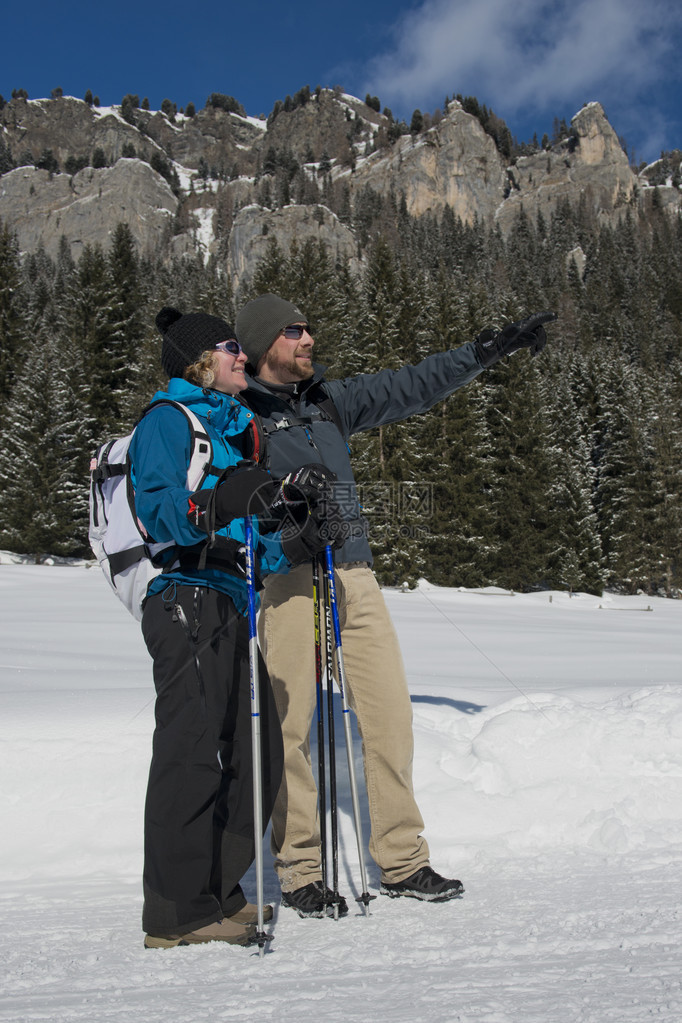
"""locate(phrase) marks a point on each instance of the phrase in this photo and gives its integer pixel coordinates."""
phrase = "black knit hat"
(186, 336)
(260, 322)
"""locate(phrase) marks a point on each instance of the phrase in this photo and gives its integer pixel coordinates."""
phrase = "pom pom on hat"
(166, 318)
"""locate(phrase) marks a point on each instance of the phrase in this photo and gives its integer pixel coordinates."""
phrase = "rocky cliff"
(454, 164)
(86, 207)
(254, 227)
(589, 163)
(224, 184)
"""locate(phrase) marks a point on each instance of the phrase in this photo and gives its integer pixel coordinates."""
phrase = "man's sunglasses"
(231, 347)
(295, 333)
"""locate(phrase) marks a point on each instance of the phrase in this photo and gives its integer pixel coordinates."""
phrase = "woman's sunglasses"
(231, 347)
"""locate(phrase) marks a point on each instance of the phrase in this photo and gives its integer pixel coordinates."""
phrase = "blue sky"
(530, 61)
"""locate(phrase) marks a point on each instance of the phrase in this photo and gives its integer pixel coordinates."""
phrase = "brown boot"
(222, 930)
(248, 914)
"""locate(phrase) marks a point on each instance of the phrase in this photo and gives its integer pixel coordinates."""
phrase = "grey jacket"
(299, 431)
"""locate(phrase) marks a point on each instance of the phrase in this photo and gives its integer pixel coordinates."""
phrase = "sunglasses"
(295, 333)
(231, 347)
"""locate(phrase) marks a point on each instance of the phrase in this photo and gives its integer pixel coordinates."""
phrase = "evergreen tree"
(623, 496)
(124, 324)
(522, 264)
(522, 462)
(84, 322)
(43, 472)
(382, 456)
(270, 275)
(13, 333)
(574, 559)
(314, 283)
(454, 438)
(6, 161)
(37, 286)
(662, 398)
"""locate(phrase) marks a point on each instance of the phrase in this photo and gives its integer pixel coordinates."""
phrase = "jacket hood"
(225, 411)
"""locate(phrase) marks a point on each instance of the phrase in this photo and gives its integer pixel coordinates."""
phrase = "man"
(302, 426)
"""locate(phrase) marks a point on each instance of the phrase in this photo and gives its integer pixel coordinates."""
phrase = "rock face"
(454, 164)
(220, 140)
(226, 168)
(70, 128)
(85, 208)
(319, 127)
(255, 227)
(590, 163)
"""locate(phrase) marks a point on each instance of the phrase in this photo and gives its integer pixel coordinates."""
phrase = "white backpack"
(126, 553)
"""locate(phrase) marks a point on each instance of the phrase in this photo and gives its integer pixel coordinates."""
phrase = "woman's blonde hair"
(202, 372)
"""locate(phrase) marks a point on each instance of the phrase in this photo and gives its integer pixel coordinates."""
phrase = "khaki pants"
(377, 692)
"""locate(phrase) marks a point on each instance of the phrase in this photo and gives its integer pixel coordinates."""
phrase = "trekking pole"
(321, 784)
(341, 679)
(331, 738)
(261, 937)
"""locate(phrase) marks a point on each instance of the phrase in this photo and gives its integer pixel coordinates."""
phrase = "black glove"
(305, 485)
(242, 490)
(309, 481)
(491, 345)
(323, 525)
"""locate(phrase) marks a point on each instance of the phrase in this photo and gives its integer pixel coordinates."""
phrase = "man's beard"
(291, 367)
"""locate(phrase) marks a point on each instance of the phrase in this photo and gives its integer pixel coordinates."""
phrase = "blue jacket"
(298, 431)
(160, 452)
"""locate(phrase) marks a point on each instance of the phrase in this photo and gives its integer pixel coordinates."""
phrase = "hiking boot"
(314, 901)
(220, 930)
(424, 884)
(248, 914)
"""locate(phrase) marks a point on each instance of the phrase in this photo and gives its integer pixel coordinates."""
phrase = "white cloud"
(531, 54)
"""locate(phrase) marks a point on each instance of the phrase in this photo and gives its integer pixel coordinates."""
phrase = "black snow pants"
(199, 823)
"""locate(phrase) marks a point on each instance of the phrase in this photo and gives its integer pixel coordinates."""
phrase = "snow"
(548, 768)
(204, 232)
(256, 122)
(110, 111)
(185, 175)
(586, 106)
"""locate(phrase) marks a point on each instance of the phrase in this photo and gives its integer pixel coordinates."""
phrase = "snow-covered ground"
(548, 768)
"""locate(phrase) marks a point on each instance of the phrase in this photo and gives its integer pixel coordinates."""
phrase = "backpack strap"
(216, 552)
(323, 402)
(101, 470)
(285, 423)
(120, 560)
(107, 470)
(326, 404)
(201, 459)
(252, 442)
(259, 432)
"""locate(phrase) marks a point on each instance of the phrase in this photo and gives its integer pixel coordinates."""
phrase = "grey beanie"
(186, 336)
(260, 322)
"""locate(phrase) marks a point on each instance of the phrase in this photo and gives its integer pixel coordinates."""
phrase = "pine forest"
(562, 471)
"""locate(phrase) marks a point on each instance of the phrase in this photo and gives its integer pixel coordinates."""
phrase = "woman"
(199, 830)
